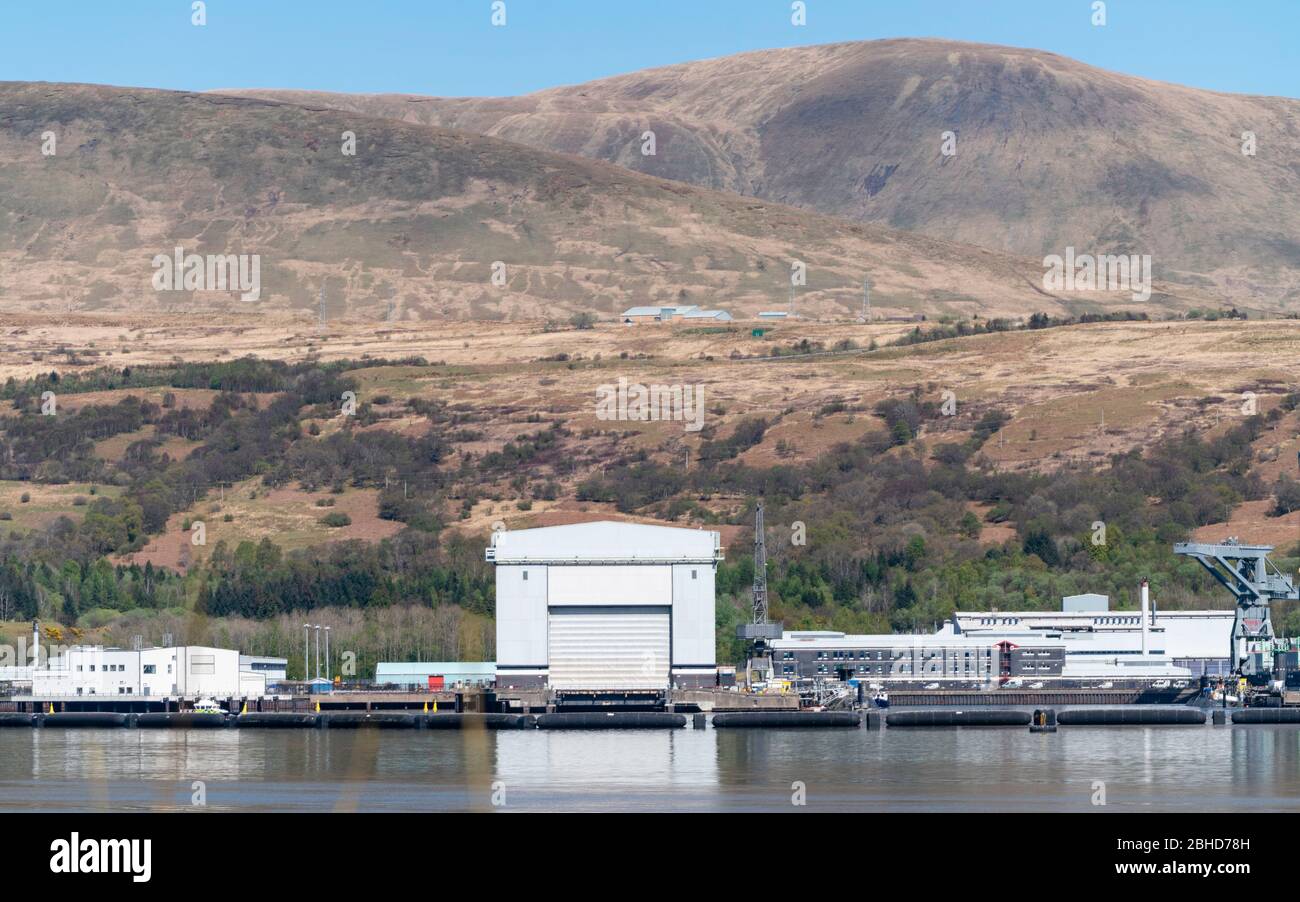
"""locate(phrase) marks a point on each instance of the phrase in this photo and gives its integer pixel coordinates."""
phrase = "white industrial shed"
(605, 606)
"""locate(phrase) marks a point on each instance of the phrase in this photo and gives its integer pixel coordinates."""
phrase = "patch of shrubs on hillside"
(1287, 494)
(633, 486)
(747, 433)
(1035, 322)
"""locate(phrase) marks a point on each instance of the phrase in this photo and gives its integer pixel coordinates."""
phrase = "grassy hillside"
(1049, 152)
(418, 222)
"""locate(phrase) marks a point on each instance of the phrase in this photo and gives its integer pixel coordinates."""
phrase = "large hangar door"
(610, 647)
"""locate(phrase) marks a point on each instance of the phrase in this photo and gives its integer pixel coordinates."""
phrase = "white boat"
(207, 706)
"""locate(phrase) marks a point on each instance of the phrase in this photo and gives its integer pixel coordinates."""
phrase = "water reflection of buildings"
(558, 769)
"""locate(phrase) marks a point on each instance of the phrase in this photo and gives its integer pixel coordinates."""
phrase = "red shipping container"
(435, 683)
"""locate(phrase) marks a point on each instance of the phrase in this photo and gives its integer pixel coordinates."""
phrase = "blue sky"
(450, 47)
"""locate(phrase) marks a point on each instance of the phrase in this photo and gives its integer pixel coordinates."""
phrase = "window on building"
(695, 574)
(151, 669)
(525, 576)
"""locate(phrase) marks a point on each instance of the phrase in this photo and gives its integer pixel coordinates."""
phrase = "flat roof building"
(665, 314)
(418, 675)
(274, 669)
(185, 671)
(1195, 640)
(833, 655)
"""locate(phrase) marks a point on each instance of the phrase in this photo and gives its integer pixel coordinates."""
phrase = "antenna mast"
(760, 632)
(760, 568)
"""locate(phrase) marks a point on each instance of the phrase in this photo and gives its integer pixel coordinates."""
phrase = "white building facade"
(175, 672)
(1198, 641)
(605, 607)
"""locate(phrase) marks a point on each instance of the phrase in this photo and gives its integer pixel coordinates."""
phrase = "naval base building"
(605, 607)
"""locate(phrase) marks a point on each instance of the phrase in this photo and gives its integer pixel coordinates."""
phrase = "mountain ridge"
(1049, 152)
(413, 226)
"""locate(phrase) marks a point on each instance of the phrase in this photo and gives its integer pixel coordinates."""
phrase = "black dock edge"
(784, 719)
(183, 720)
(1265, 715)
(380, 720)
(276, 719)
(470, 720)
(1098, 717)
(612, 720)
(10, 719)
(978, 717)
(88, 719)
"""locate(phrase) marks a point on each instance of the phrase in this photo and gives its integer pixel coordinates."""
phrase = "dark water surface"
(1143, 769)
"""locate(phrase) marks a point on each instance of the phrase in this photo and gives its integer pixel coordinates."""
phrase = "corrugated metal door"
(609, 647)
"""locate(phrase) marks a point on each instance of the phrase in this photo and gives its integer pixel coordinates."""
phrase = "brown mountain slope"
(1050, 152)
(411, 226)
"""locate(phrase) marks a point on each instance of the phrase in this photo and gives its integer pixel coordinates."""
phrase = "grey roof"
(605, 541)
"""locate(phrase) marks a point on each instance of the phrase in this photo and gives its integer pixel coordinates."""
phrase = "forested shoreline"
(893, 540)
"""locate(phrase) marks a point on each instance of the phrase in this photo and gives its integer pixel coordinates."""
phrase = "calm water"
(1191, 768)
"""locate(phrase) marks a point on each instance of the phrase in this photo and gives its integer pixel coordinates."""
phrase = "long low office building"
(186, 671)
(835, 655)
(418, 675)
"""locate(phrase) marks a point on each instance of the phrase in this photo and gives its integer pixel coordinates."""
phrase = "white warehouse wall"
(693, 616)
(521, 615)
(610, 584)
